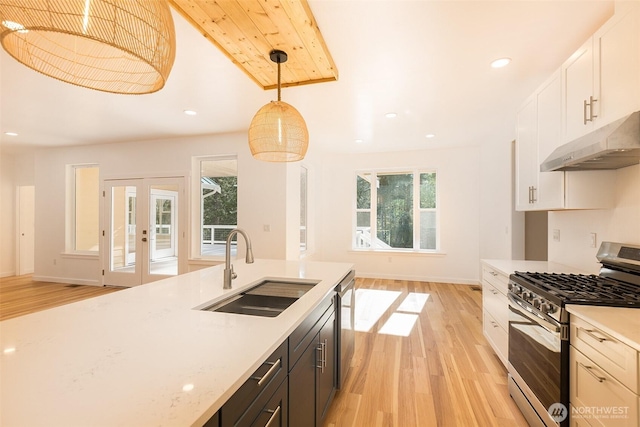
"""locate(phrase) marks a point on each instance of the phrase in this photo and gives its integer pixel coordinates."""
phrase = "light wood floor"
(20, 295)
(443, 374)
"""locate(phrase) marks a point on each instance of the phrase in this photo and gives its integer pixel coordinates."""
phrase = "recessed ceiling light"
(499, 63)
(11, 134)
(190, 112)
(359, 141)
(430, 135)
(391, 115)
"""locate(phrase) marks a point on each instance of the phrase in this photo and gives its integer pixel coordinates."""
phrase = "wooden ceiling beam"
(247, 30)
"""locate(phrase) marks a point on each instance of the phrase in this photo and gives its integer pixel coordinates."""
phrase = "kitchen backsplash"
(570, 232)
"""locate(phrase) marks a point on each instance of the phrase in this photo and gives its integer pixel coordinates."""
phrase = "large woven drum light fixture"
(119, 46)
(278, 132)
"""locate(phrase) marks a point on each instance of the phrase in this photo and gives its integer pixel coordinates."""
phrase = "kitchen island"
(146, 356)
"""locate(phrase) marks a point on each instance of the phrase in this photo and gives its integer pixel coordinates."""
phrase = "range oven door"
(539, 359)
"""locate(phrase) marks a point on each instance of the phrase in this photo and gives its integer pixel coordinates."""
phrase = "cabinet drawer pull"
(493, 273)
(274, 415)
(494, 324)
(323, 356)
(493, 291)
(589, 370)
(591, 102)
(591, 333)
(584, 110)
(274, 366)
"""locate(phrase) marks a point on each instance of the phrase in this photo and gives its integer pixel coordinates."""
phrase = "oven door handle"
(535, 315)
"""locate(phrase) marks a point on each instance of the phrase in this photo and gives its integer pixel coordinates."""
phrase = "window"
(303, 208)
(396, 211)
(84, 198)
(218, 203)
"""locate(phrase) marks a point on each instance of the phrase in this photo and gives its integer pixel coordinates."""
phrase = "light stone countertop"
(143, 356)
(621, 323)
(508, 266)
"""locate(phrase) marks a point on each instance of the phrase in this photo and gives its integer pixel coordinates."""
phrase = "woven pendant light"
(119, 46)
(278, 132)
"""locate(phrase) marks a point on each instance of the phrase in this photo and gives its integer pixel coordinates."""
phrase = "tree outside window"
(218, 203)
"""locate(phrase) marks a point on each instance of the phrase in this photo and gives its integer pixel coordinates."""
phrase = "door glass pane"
(123, 229)
(163, 244)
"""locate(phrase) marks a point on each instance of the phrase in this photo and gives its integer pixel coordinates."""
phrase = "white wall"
(261, 196)
(458, 186)
(621, 224)
(501, 227)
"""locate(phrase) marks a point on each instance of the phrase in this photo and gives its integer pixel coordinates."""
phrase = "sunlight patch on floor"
(371, 304)
(399, 324)
(413, 303)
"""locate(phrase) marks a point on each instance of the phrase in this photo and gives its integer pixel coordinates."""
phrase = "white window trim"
(416, 212)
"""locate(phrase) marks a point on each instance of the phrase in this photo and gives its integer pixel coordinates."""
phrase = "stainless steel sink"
(268, 298)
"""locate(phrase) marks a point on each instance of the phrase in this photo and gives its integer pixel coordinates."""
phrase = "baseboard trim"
(68, 280)
(455, 281)
(7, 274)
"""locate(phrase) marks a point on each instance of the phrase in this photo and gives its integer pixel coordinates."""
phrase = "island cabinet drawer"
(304, 334)
(237, 411)
(615, 357)
(495, 278)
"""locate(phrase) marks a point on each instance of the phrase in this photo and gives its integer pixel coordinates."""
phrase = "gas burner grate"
(585, 289)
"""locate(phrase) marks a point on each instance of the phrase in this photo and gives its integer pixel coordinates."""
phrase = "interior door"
(143, 241)
(26, 230)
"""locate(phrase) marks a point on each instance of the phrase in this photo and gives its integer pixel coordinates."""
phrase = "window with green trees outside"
(396, 210)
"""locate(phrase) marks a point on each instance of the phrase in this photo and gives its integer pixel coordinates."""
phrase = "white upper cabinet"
(526, 158)
(601, 80)
(539, 132)
(538, 129)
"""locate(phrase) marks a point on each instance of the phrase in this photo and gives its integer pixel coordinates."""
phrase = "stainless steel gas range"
(539, 327)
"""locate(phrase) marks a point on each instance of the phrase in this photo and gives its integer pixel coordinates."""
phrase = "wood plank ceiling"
(247, 30)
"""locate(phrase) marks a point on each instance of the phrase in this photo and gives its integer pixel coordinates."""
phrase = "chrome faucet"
(229, 274)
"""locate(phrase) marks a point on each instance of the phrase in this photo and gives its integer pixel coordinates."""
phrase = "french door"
(144, 238)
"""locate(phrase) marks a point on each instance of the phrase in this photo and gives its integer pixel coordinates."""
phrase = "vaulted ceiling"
(425, 60)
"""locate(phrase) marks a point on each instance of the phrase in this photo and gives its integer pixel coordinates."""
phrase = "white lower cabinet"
(495, 316)
(603, 379)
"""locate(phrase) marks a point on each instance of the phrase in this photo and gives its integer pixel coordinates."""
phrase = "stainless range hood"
(613, 146)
